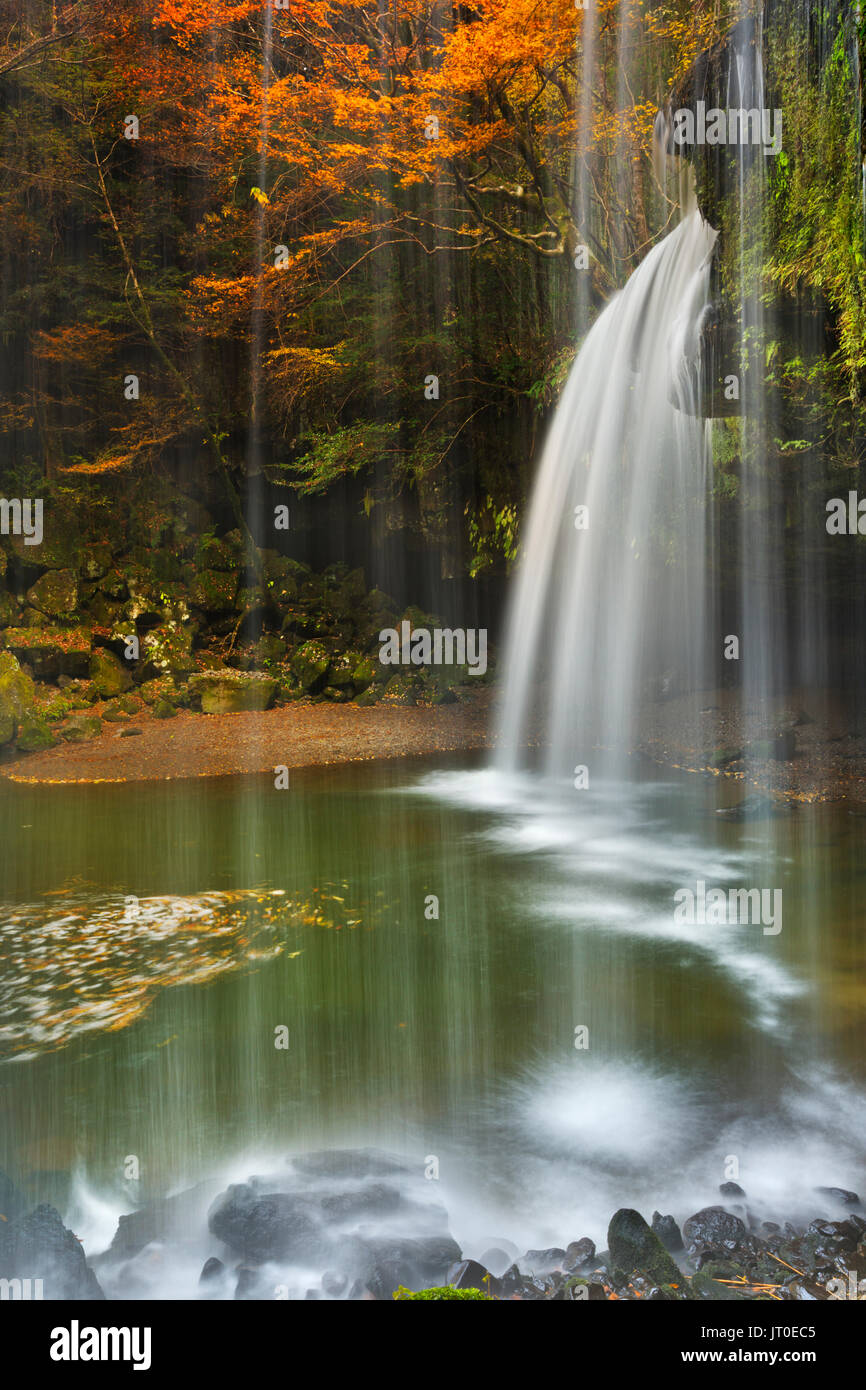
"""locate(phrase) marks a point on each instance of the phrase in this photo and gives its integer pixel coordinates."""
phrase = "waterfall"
(609, 601)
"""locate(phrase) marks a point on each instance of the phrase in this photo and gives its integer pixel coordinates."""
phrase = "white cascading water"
(610, 600)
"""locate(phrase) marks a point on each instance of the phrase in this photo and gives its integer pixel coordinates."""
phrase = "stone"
(34, 734)
(56, 593)
(731, 1189)
(578, 1254)
(310, 664)
(49, 651)
(714, 1228)
(543, 1261)
(108, 673)
(468, 1274)
(842, 1195)
(164, 709)
(39, 1246)
(636, 1249)
(382, 1265)
(214, 590)
(667, 1231)
(17, 694)
(265, 1225)
(168, 649)
(81, 727)
(230, 692)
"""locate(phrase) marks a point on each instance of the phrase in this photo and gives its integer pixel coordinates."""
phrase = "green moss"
(446, 1291)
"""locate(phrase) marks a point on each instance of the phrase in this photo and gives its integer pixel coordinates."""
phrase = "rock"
(175, 1217)
(265, 1226)
(164, 709)
(212, 1271)
(39, 1246)
(310, 664)
(81, 727)
(334, 1285)
(34, 734)
(715, 1229)
(17, 694)
(230, 692)
(130, 704)
(168, 649)
(372, 1200)
(9, 609)
(383, 1265)
(112, 714)
(214, 590)
(840, 1194)
(56, 593)
(667, 1231)
(50, 652)
(402, 689)
(468, 1274)
(635, 1248)
(731, 1189)
(130, 733)
(109, 674)
(578, 1254)
(705, 1286)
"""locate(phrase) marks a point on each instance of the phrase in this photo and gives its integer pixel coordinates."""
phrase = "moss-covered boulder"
(342, 669)
(108, 673)
(269, 648)
(56, 593)
(635, 1248)
(214, 590)
(365, 672)
(231, 692)
(310, 664)
(34, 734)
(81, 727)
(159, 688)
(164, 709)
(215, 553)
(113, 714)
(17, 694)
(50, 651)
(402, 689)
(168, 649)
(9, 609)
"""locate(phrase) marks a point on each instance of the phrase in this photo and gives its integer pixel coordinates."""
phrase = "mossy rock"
(34, 734)
(268, 648)
(108, 673)
(130, 704)
(232, 692)
(720, 757)
(446, 1291)
(113, 714)
(96, 560)
(703, 1285)
(342, 669)
(365, 671)
(164, 709)
(214, 590)
(50, 651)
(310, 663)
(81, 727)
(168, 649)
(402, 689)
(213, 553)
(368, 697)
(17, 696)
(9, 609)
(338, 695)
(636, 1249)
(159, 688)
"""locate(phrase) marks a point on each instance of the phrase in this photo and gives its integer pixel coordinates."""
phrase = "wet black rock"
(39, 1246)
(375, 1199)
(469, 1274)
(212, 1271)
(840, 1195)
(714, 1229)
(635, 1248)
(731, 1189)
(578, 1254)
(667, 1231)
(266, 1225)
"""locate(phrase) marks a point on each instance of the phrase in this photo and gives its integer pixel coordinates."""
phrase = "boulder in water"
(39, 1246)
(266, 1225)
(667, 1231)
(636, 1249)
